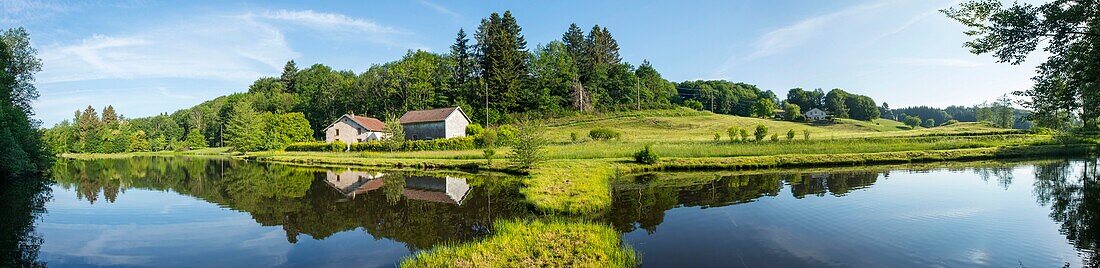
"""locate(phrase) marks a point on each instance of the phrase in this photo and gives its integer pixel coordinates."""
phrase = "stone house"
(351, 128)
(442, 123)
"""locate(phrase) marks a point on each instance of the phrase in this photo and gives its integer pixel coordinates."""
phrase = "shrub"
(370, 146)
(929, 122)
(806, 134)
(694, 105)
(912, 121)
(314, 147)
(775, 137)
(732, 133)
(506, 134)
(717, 137)
(1042, 131)
(761, 132)
(488, 153)
(527, 151)
(487, 139)
(790, 134)
(603, 134)
(646, 156)
(474, 129)
(574, 137)
(744, 134)
(950, 122)
(452, 144)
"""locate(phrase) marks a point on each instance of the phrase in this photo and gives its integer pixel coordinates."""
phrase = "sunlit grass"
(535, 243)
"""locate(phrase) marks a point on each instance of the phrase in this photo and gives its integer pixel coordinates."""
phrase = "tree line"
(21, 151)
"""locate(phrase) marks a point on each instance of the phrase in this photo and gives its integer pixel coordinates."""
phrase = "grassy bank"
(535, 243)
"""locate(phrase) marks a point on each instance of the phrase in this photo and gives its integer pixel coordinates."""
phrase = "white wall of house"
(456, 125)
(343, 130)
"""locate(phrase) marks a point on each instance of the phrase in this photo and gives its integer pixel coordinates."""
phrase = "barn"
(442, 123)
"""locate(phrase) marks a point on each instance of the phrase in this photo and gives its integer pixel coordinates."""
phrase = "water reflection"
(417, 210)
(22, 202)
(923, 218)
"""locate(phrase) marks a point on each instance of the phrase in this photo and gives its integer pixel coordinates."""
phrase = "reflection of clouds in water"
(961, 212)
(810, 252)
(121, 244)
(978, 256)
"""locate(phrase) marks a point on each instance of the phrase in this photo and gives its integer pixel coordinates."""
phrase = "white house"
(815, 114)
(351, 128)
(443, 123)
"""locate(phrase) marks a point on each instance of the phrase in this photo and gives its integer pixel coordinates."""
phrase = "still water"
(1034, 214)
(205, 212)
(202, 212)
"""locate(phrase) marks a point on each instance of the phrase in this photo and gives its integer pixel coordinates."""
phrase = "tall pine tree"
(502, 55)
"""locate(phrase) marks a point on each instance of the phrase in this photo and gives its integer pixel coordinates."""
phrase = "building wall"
(456, 125)
(425, 131)
(348, 131)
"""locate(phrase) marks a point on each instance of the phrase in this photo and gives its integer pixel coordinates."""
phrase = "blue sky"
(149, 57)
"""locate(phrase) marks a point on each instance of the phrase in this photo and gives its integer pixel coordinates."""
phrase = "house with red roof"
(351, 128)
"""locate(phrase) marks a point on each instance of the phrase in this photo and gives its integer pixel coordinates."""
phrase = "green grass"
(570, 187)
(534, 243)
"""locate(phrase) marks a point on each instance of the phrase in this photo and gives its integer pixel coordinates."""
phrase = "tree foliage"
(1070, 32)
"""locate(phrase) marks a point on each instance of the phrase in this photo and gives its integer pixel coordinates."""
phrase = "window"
(337, 132)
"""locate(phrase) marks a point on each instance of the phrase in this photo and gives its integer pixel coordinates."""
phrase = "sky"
(151, 57)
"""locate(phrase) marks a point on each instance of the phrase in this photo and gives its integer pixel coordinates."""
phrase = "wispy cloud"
(796, 34)
(168, 94)
(936, 62)
(18, 11)
(224, 48)
(328, 21)
(441, 9)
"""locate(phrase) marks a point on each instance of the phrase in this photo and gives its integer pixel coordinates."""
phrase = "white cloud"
(168, 94)
(328, 21)
(796, 34)
(18, 11)
(229, 48)
(225, 48)
(441, 9)
(937, 62)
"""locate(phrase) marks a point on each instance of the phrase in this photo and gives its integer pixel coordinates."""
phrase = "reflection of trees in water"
(642, 202)
(1003, 175)
(22, 201)
(1073, 194)
(299, 200)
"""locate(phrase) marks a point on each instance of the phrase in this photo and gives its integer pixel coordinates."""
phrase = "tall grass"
(535, 243)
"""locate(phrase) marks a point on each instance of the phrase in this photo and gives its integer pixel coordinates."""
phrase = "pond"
(194, 211)
(217, 212)
(1034, 214)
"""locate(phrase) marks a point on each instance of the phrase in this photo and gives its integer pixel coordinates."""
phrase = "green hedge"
(452, 144)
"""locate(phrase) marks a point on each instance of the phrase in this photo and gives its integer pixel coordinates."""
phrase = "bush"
(761, 132)
(929, 122)
(527, 152)
(487, 139)
(694, 105)
(717, 137)
(646, 156)
(775, 137)
(574, 137)
(806, 134)
(1042, 131)
(315, 147)
(506, 135)
(744, 134)
(452, 144)
(603, 134)
(790, 134)
(474, 130)
(732, 133)
(950, 122)
(488, 153)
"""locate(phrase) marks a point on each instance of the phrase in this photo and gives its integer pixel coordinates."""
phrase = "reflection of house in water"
(436, 189)
(351, 183)
(433, 189)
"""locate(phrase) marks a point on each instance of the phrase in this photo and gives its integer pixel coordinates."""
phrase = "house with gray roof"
(442, 123)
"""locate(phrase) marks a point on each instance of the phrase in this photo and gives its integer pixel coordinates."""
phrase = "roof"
(811, 110)
(372, 124)
(369, 123)
(433, 115)
(430, 196)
